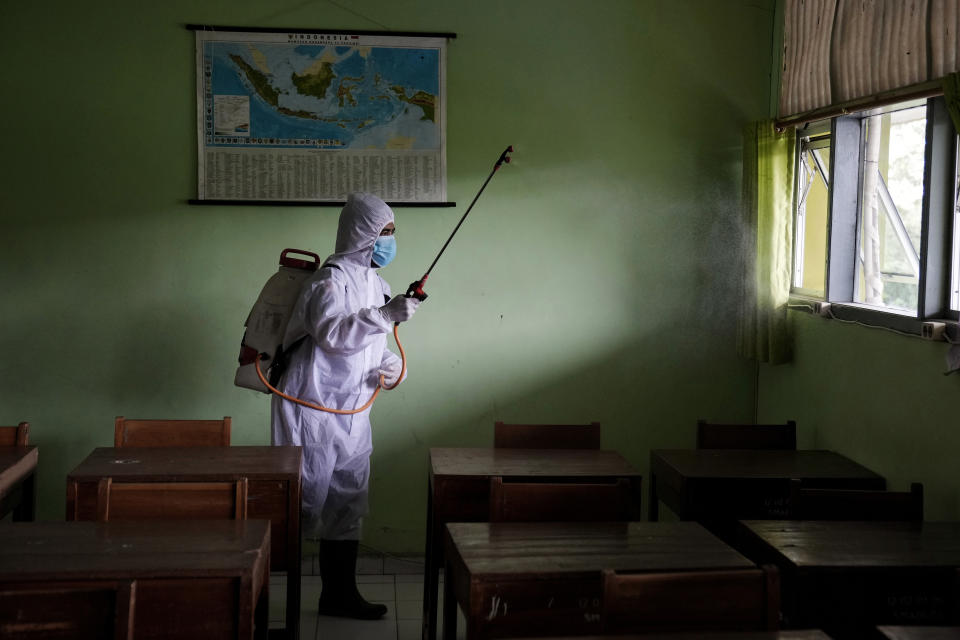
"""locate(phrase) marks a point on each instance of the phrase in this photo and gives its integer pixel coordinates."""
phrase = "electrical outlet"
(932, 330)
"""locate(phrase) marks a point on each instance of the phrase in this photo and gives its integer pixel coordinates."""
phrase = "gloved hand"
(399, 309)
(391, 372)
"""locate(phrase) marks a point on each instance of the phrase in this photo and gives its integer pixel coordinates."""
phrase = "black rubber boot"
(338, 570)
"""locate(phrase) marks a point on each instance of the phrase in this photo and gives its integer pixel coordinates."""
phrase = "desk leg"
(431, 573)
(25, 511)
(293, 600)
(261, 615)
(293, 564)
(449, 609)
(247, 606)
(475, 628)
(653, 510)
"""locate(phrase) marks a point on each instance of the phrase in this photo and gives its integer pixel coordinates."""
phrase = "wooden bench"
(18, 486)
(789, 634)
(273, 491)
(570, 501)
(68, 609)
(746, 436)
(17, 436)
(171, 500)
(171, 433)
(546, 436)
(458, 490)
(720, 486)
(533, 579)
(728, 600)
(919, 633)
(855, 504)
(166, 580)
(846, 577)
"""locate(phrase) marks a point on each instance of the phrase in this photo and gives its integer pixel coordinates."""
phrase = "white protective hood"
(361, 221)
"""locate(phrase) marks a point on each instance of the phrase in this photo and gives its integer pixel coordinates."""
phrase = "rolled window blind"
(839, 53)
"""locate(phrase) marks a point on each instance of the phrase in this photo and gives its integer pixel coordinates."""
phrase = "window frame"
(819, 133)
(936, 251)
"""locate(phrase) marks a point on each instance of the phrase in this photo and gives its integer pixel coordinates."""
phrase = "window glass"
(889, 217)
(955, 261)
(810, 227)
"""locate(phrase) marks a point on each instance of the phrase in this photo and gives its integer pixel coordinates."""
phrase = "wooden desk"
(192, 579)
(920, 633)
(18, 487)
(273, 474)
(846, 577)
(731, 484)
(458, 490)
(543, 578)
(796, 634)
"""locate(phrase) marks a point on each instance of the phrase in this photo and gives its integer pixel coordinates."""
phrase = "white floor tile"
(369, 564)
(402, 593)
(310, 589)
(409, 610)
(308, 626)
(345, 629)
(409, 590)
(307, 565)
(398, 565)
(409, 577)
(278, 603)
(409, 629)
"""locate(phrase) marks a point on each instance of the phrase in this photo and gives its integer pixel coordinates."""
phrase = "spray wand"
(415, 290)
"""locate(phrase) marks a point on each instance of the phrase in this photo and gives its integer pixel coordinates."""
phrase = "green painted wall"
(876, 397)
(594, 281)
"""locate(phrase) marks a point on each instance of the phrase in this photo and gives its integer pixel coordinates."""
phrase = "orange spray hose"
(376, 392)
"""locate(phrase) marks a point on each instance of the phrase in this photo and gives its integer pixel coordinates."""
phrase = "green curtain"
(768, 184)
(951, 94)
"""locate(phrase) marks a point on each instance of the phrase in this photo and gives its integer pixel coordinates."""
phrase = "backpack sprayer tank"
(268, 319)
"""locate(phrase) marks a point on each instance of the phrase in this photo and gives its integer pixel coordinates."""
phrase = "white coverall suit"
(337, 367)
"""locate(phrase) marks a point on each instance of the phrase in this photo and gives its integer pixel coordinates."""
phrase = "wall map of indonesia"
(308, 119)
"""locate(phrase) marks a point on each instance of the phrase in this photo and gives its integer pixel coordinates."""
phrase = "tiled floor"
(395, 582)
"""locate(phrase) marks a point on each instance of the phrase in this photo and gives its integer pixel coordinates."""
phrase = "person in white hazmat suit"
(346, 312)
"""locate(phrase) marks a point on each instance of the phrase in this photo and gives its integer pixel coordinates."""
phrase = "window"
(810, 224)
(876, 230)
(891, 166)
(955, 258)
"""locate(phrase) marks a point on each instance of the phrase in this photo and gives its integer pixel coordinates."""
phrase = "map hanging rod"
(312, 203)
(356, 32)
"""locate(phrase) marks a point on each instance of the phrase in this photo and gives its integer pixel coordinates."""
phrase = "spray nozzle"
(503, 157)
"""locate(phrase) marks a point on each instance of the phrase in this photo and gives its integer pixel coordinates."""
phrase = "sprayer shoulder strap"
(283, 357)
(282, 360)
(298, 341)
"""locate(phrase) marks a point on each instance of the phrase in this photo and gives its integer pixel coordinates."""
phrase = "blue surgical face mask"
(384, 250)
